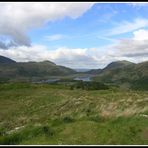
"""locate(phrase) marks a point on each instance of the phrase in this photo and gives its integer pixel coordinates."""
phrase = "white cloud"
(54, 37)
(141, 34)
(132, 45)
(17, 18)
(24, 53)
(125, 26)
(74, 58)
(134, 49)
(138, 43)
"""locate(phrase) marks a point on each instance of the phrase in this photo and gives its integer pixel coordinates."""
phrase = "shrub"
(89, 85)
(67, 119)
(48, 131)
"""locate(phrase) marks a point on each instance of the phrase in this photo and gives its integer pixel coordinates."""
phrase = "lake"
(83, 78)
(52, 80)
(48, 81)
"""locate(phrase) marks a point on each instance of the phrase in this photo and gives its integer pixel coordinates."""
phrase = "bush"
(67, 119)
(89, 85)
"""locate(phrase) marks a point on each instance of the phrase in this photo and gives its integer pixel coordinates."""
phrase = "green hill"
(127, 75)
(117, 64)
(112, 65)
(31, 70)
(46, 114)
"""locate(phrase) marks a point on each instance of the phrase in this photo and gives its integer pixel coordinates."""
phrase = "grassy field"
(54, 114)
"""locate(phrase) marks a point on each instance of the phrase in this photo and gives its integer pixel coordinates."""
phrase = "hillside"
(110, 66)
(31, 70)
(5, 60)
(53, 114)
(94, 71)
(117, 64)
(126, 75)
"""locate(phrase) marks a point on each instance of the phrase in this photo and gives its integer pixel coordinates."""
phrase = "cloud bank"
(74, 58)
(18, 18)
(134, 49)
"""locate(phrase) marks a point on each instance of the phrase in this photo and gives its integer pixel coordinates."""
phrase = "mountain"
(142, 69)
(32, 70)
(141, 82)
(125, 74)
(112, 65)
(117, 64)
(6, 60)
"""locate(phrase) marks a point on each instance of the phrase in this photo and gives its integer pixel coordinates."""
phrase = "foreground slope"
(54, 114)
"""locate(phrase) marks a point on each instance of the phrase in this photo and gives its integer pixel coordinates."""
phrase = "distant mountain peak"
(117, 64)
(48, 62)
(122, 62)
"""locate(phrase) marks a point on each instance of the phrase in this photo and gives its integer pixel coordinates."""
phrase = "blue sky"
(88, 30)
(77, 35)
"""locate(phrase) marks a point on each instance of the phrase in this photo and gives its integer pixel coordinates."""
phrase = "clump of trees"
(89, 85)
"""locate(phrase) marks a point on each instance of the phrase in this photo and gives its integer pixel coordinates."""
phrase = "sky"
(74, 34)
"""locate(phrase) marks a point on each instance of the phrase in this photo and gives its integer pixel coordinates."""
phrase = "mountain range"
(10, 69)
(122, 73)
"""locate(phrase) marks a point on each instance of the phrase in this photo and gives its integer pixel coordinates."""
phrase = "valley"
(73, 73)
(96, 107)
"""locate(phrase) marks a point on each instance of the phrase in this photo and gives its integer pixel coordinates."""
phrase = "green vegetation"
(123, 74)
(111, 109)
(31, 71)
(126, 75)
(89, 85)
(55, 114)
(140, 84)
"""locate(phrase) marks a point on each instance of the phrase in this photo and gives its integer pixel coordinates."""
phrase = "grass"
(54, 114)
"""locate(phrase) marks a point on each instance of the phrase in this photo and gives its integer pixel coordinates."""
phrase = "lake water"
(49, 80)
(83, 78)
(52, 80)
